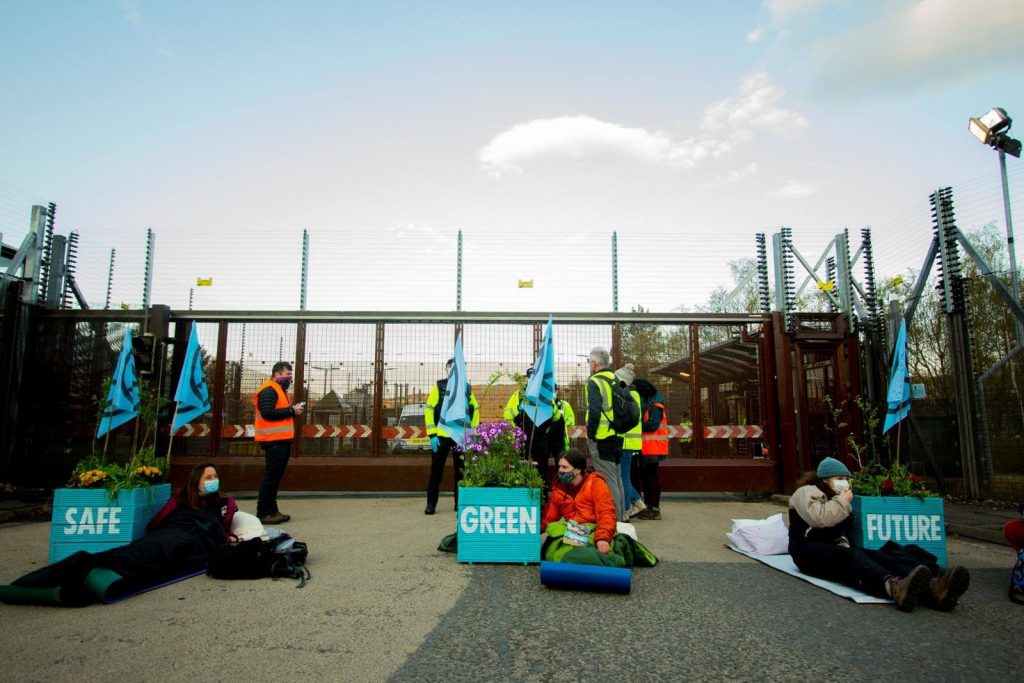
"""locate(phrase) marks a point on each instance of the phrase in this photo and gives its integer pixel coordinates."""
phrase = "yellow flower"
(147, 471)
(91, 477)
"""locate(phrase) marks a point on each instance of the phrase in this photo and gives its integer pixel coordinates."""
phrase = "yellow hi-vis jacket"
(633, 440)
(604, 427)
(434, 404)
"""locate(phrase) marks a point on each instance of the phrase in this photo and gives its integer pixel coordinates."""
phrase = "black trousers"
(858, 567)
(537, 446)
(275, 460)
(650, 475)
(437, 462)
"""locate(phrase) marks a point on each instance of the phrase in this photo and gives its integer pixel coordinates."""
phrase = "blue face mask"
(211, 486)
(566, 477)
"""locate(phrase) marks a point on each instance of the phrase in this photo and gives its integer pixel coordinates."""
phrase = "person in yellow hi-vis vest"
(441, 443)
(562, 420)
(604, 444)
(536, 448)
(632, 441)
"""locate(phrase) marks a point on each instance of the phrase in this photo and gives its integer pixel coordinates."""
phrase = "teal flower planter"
(499, 525)
(87, 519)
(918, 521)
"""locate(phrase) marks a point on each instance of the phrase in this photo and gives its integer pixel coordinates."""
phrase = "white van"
(413, 415)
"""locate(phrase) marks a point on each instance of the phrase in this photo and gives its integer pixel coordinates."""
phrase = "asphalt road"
(393, 608)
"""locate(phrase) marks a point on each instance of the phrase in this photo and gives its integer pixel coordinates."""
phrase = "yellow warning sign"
(204, 282)
(526, 284)
(826, 286)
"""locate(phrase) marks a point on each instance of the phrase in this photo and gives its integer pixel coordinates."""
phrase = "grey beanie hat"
(830, 467)
(626, 374)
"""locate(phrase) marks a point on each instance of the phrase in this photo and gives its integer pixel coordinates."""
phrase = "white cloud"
(575, 137)
(131, 12)
(795, 189)
(924, 41)
(754, 106)
(780, 13)
(724, 124)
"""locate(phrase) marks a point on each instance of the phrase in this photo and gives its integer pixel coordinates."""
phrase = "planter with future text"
(905, 520)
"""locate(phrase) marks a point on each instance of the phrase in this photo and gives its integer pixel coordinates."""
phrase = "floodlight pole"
(1009, 242)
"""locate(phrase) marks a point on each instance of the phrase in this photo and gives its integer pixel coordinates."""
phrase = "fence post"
(378, 393)
(695, 409)
(218, 388)
(299, 394)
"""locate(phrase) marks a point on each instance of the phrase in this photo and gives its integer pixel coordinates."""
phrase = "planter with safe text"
(90, 520)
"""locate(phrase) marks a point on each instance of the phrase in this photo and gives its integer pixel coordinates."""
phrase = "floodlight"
(992, 124)
(993, 129)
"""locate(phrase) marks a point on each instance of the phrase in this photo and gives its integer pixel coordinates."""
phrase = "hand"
(299, 407)
(847, 495)
(434, 444)
(604, 547)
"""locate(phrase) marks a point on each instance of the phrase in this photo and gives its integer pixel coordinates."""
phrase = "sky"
(538, 129)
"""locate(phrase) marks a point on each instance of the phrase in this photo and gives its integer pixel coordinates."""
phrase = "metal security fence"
(359, 378)
(365, 376)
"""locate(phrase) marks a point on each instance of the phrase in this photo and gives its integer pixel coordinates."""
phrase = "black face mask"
(285, 382)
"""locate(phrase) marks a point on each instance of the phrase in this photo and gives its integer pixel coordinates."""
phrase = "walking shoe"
(649, 513)
(275, 518)
(429, 510)
(907, 591)
(636, 508)
(945, 591)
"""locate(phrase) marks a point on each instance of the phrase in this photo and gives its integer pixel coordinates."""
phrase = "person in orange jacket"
(583, 497)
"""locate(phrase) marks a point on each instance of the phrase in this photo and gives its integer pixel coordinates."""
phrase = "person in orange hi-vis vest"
(655, 446)
(275, 432)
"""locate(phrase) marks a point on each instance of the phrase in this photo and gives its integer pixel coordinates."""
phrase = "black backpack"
(625, 412)
(283, 557)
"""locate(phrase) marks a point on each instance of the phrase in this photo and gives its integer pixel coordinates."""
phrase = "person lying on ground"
(820, 529)
(194, 521)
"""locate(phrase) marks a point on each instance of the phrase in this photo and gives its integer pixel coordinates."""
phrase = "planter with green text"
(499, 525)
(905, 520)
(90, 520)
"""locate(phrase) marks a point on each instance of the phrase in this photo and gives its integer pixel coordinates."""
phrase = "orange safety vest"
(656, 442)
(273, 430)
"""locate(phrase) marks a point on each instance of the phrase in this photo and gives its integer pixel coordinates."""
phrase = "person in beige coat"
(820, 529)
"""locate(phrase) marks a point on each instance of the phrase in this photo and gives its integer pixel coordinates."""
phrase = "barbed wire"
(413, 268)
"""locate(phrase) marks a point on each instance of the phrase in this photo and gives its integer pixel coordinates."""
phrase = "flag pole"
(170, 440)
(899, 432)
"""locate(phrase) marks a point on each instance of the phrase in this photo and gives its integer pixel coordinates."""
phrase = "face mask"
(211, 486)
(566, 477)
(840, 485)
(285, 382)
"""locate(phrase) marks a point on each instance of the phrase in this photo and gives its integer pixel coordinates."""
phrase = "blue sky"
(537, 128)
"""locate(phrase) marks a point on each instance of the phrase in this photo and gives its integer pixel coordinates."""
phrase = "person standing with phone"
(275, 432)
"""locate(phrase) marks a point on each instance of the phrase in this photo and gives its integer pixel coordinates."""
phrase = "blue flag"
(898, 396)
(193, 396)
(540, 390)
(123, 399)
(454, 416)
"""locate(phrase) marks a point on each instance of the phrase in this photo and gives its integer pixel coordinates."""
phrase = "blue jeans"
(631, 494)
